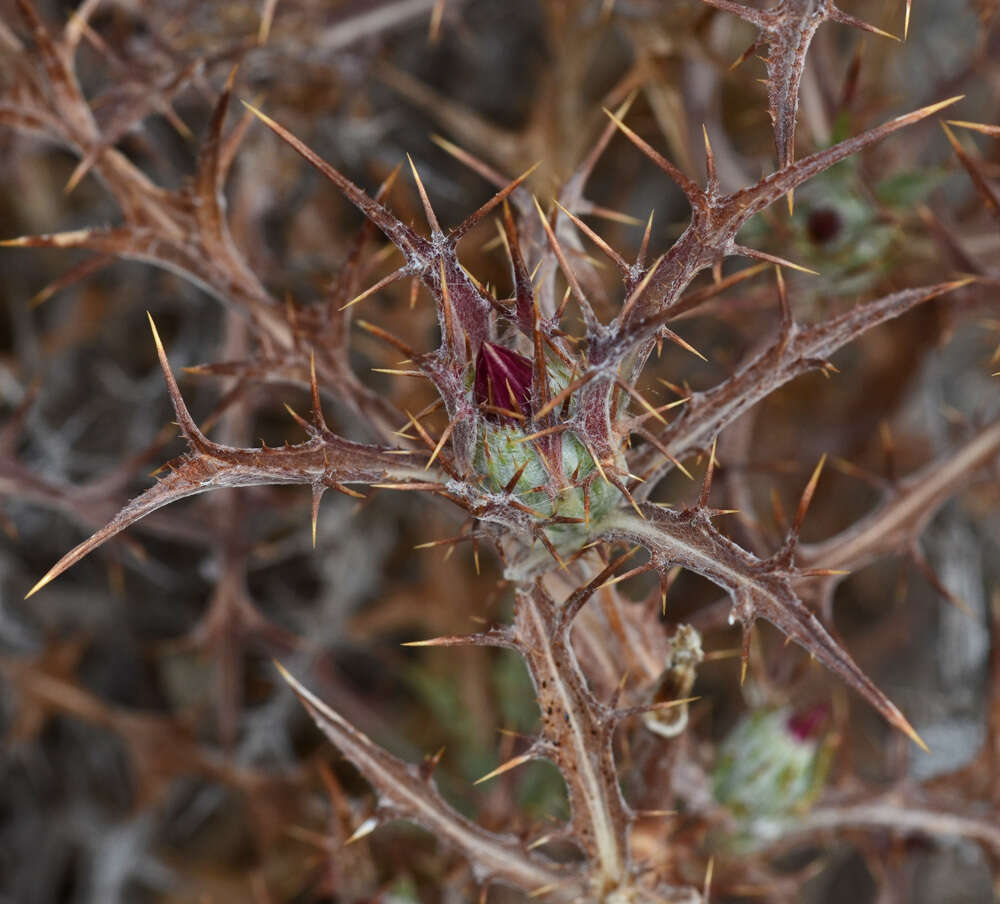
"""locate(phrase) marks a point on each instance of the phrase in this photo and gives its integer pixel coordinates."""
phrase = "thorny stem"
(795, 351)
(576, 737)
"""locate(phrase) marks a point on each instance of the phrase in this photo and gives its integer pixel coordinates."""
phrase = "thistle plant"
(552, 445)
(771, 767)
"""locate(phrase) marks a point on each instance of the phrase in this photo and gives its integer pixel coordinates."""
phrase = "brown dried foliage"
(593, 657)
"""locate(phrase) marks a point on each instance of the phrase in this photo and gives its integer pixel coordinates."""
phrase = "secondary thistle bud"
(771, 766)
(503, 381)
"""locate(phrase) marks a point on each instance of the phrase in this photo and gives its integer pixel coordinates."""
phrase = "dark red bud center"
(503, 382)
(824, 225)
(805, 725)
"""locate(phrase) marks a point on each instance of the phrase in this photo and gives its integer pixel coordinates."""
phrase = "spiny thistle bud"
(772, 765)
(568, 486)
(555, 476)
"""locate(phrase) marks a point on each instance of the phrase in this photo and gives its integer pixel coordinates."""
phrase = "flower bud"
(558, 474)
(772, 765)
(550, 491)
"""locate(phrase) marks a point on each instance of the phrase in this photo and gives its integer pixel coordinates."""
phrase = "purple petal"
(501, 374)
(805, 725)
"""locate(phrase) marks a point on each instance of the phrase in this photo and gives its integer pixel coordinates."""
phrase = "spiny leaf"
(137, 107)
(788, 30)
(711, 234)
(512, 763)
(408, 794)
(432, 219)
(590, 318)
(499, 198)
(190, 477)
(791, 355)
(409, 242)
(772, 259)
(499, 637)
(975, 170)
(427, 259)
(993, 131)
(695, 195)
(152, 246)
(326, 459)
(749, 201)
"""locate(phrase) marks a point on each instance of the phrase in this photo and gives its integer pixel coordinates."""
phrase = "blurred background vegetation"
(150, 754)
